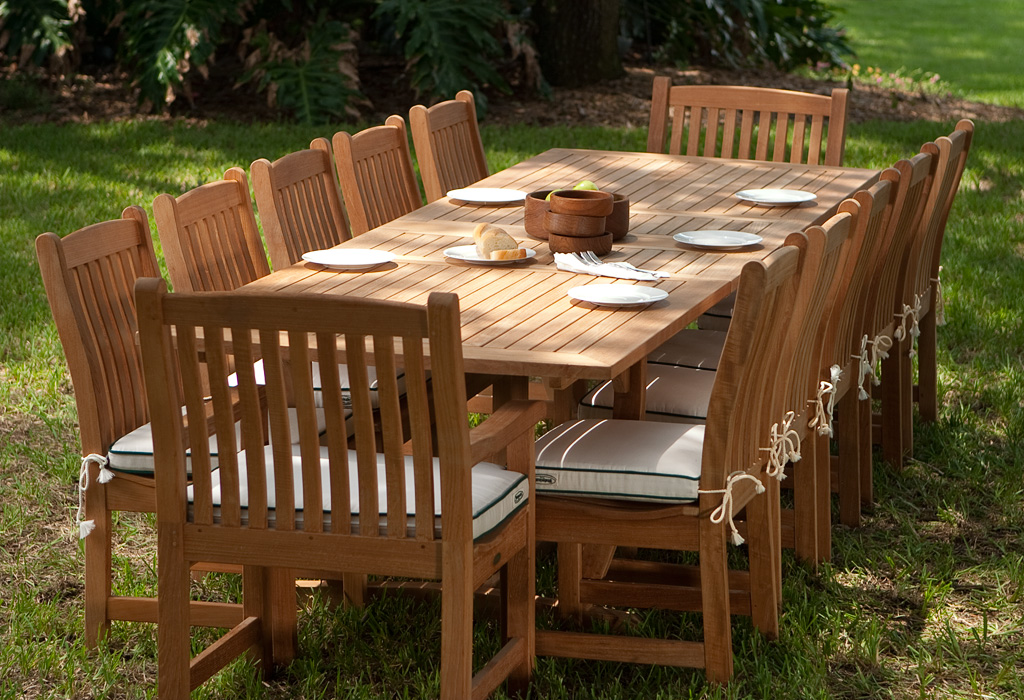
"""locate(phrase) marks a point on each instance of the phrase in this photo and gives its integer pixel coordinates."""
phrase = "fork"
(590, 258)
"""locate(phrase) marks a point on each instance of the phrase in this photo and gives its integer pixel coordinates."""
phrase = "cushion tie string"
(901, 330)
(880, 348)
(822, 420)
(105, 475)
(724, 509)
(790, 439)
(776, 454)
(864, 369)
(915, 326)
(940, 302)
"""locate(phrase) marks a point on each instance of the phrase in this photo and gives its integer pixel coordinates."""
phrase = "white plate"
(776, 198)
(348, 258)
(467, 253)
(487, 195)
(717, 239)
(617, 294)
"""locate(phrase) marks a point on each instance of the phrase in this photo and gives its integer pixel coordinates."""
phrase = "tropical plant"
(32, 31)
(315, 81)
(449, 44)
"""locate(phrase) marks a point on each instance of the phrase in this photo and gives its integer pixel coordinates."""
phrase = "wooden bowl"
(601, 245)
(574, 225)
(582, 202)
(617, 222)
(534, 209)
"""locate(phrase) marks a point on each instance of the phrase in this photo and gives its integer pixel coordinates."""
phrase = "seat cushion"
(718, 317)
(497, 492)
(342, 379)
(692, 347)
(631, 460)
(674, 395)
(133, 453)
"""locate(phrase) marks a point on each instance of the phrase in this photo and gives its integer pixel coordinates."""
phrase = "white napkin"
(570, 263)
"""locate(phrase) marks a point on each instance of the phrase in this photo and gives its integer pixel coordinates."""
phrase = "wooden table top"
(518, 320)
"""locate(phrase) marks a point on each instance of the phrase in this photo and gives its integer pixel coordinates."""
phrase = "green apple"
(585, 185)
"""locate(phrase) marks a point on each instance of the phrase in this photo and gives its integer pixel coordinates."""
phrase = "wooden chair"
(299, 203)
(448, 146)
(677, 487)
(89, 277)
(680, 383)
(209, 236)
(375, 170)
(748, 122)
(453, 517)
(951, 155)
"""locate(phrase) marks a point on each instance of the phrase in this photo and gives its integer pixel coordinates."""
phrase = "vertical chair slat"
(309, 449)
(278, 388)
(366, 452)
(391, 432)
(253, 437)
(420, 433)
(218, 365)
(337, 443)
(198, 427)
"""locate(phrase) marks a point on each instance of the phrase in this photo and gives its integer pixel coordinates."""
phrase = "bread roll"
(513, 254)
(491, 238)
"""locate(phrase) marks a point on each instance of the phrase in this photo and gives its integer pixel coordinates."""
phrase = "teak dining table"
(517, 319)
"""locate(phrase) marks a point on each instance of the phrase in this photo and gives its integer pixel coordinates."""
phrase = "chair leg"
(173, 636)
(848, 430)
(805, 509)
(906, 380)
(818, 447)
(765, 554)
(893, 439)
(570, 574)
(98, 562)
(354, 587)
(927, 368)
(517, 589)
(457, 623)
(281, 608)
(863, 416)
(714, 582)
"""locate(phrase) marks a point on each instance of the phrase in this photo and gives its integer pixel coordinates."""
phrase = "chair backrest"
(299, 203)
(748, 122)
(741, 407)
(912, 180)
(209, 236)
(89, 277)
(362, 333)
(376, 175)
(826, 248)
(950, 154)
(448, 146)
(871, 209)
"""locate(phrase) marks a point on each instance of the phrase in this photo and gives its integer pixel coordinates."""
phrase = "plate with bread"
(487, 195)
(492, 246)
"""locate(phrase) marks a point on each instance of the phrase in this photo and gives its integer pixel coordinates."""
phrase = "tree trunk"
(578, 40)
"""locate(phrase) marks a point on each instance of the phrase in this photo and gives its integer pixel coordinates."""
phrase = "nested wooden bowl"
(601, 245)
(574, 225)
(534, 209)
(582, 202)
(617, 223)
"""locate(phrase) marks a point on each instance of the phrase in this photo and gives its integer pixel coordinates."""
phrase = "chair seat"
(718, 317)
(497, 492)
(343, 379)
(133, 453)
(674, 395)
(700, 349)
(630, 460)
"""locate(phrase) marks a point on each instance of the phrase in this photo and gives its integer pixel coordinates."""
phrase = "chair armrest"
(503, 427)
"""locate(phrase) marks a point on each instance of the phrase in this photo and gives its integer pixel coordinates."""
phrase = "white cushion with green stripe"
(692, 347)
(631, 460)
(133, 453)
(371, 373)
(497, 492)
(674, 395)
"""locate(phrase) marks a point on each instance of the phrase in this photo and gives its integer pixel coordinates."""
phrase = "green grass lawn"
(926, 600)
(975, 47)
